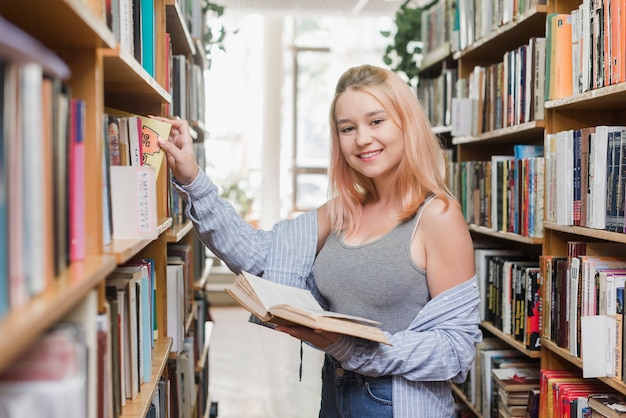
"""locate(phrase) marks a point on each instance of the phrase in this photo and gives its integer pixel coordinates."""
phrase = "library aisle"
(254, 370)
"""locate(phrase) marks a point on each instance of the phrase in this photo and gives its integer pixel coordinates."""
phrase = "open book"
(285, 305)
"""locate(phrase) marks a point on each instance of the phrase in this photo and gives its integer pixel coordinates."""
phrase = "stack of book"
(513, 387)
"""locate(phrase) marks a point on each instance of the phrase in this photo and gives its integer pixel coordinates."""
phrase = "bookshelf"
(482, 41)
(103, 73)
(591, 107)
(601, 102)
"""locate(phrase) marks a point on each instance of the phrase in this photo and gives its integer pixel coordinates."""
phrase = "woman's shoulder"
(440, 214)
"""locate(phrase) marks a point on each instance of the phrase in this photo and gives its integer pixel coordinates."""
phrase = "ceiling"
(326, 7)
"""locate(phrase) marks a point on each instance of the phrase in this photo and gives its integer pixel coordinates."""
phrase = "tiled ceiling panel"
(298, 7)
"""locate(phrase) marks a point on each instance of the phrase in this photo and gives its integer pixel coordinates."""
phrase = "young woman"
(391, 245)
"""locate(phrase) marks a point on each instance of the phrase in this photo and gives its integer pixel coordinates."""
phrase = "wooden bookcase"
(484, 51)
(103, 74)
(601, 106)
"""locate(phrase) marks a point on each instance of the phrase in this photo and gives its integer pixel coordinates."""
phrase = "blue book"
(147, 35)
(527, 151)
(4, 268)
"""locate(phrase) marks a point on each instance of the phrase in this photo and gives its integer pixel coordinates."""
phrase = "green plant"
(215, 32)
(401, 54)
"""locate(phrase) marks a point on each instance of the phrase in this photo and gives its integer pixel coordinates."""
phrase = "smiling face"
(370, 141)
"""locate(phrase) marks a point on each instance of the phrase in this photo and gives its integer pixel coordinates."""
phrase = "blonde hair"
(421, 170)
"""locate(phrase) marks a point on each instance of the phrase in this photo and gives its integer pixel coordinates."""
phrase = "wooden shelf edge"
(509, 340)
(178, 231)
(138, 407)
(511, 132)
(460, 395)
(202, 281)
(208, 330)
(506, 235)
(26, 323)
(616, 237)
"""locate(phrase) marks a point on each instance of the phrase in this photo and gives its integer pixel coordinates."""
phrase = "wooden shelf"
(178, 231)
(203, 280)
(125, 249)
(531, 131)
(610, 97)
(72, 25)
(510, 340)
(505, 235)
(507, 37)
(434, 59)
(23, 325)
(204, 356)
(587, 232)
(138, 407)
(461, 396)
(182, 43)
(124, 75)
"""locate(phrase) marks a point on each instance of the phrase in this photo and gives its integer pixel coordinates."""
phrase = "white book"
(175, 306)
(564, 177)
(598, 184)
(593, 345)
(34, 178)
(539, 78)
(133, 202)
(134, 140)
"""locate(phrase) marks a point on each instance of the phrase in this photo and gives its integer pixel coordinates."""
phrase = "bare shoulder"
(447, 244)
(439, 216)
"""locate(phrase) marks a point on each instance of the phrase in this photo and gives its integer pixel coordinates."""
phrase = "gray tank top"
(377, 280)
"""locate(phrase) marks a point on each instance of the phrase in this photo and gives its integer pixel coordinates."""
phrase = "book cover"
(133, 202)
(610, 405)
(175, 306)
(284, 305)
(148, 36)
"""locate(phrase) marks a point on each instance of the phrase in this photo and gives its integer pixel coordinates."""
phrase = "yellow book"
(151, 130)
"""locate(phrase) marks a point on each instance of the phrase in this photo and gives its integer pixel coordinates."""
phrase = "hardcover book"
(285, 305)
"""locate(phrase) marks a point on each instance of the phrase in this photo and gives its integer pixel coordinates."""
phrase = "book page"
(271, 294)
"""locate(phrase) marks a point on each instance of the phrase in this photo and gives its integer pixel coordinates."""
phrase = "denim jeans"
(346, 394)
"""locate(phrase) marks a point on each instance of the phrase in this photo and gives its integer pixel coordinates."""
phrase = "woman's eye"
(377, 122)
(347, 129)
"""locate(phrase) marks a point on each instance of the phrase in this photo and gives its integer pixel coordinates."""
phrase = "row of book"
(564, 393)
(436, 95)
(503, 383)
(503, 94)
(586, 177)
(586, 47)
(133, 25)
(510, 294)
(42, 203)
(479, 19)
(43, 207)
(504, 193)
(489, 392)
(99, 361)
(584, 305)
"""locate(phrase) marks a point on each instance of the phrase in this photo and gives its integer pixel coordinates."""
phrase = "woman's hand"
(179, 150)
(320, 339)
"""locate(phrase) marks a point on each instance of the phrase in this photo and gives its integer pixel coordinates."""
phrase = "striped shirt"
(438, 346)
